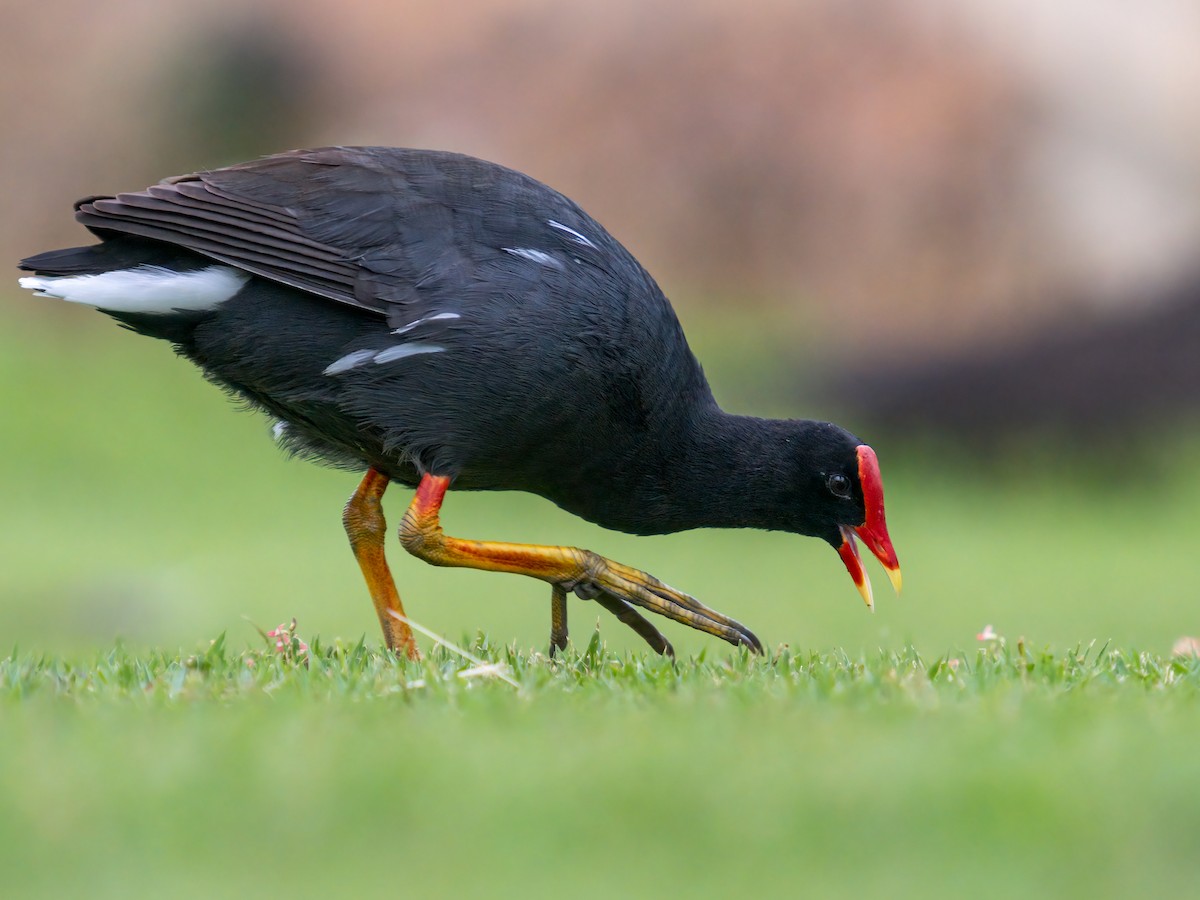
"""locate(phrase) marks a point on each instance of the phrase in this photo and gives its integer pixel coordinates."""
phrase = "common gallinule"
(442, 321)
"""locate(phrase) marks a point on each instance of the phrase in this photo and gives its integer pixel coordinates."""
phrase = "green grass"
(890, 754)
(1012, 771)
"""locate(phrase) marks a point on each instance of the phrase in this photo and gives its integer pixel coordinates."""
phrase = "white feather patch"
(144, 289)
(575, 235)
(541, 257)
(434, 318)
(348, 362)
(357, 358)
(400, 351)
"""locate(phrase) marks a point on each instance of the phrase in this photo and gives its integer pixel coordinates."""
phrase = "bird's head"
(865, 485)
(843, 502)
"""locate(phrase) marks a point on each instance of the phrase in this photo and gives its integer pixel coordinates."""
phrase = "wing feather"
(371, 227)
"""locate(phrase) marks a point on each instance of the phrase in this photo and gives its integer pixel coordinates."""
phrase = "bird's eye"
(839, 486)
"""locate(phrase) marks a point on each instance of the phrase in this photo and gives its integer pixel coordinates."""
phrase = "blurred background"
(965, 229)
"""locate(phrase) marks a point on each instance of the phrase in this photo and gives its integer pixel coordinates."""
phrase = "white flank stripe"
(348, 362)
(400, 351)
(145, 289)
(391, 354)
(538, 256)
(434, 318)
(575, 235)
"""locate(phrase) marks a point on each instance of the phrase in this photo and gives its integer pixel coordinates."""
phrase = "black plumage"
(427, 314)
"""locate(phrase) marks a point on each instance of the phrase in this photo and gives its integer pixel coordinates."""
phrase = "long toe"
(635, 620)
(644, 590)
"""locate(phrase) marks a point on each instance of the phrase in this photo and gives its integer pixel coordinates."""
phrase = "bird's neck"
(726, 471)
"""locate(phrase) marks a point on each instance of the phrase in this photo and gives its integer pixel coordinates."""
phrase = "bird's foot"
(615, 605)
(619, 588)
(558, 618)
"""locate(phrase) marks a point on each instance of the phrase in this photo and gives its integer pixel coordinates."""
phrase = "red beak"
(873, 531)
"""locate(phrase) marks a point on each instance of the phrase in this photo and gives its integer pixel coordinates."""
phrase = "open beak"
(873, 532)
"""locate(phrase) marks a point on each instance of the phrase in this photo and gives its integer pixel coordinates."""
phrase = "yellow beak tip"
(868, 597)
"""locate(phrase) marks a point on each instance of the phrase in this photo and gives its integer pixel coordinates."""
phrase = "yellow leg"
(366, 528)
(572, 569)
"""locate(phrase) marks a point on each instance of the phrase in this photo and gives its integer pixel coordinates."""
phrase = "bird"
(436, 320)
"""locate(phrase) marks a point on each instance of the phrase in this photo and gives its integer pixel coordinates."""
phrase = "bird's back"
(422, 311)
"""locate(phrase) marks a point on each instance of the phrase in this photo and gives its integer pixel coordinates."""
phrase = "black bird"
(442, 321)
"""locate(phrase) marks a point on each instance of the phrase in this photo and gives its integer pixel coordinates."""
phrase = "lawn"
(153, 742)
